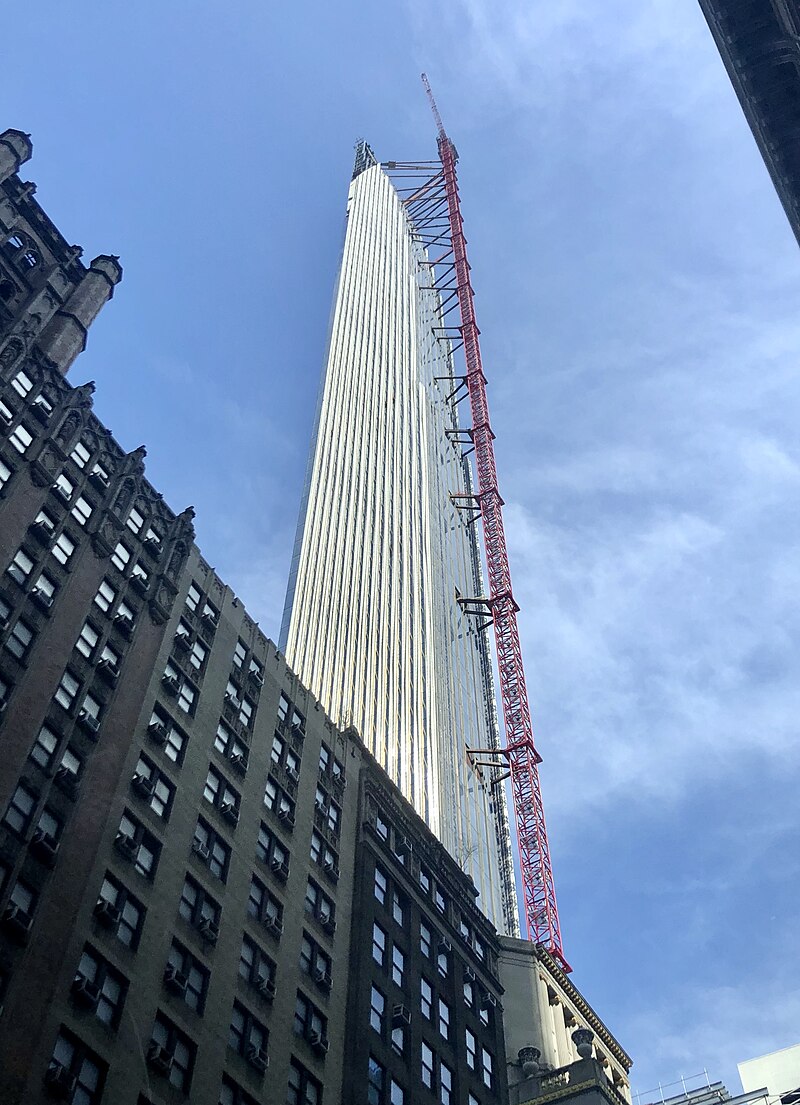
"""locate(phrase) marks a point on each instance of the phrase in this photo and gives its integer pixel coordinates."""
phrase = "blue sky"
(637, 288)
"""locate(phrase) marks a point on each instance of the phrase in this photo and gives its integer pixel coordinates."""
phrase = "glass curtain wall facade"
(371, 623)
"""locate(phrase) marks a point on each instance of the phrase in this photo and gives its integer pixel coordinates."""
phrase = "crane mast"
(519, 751)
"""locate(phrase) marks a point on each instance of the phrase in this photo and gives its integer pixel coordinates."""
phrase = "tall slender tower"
(373, 624)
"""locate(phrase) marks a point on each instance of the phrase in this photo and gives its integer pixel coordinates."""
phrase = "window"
(81, 455)
(138, 845)
(444, 1019)
(178, 1045)
(5, 474)
(427, 1066)
(276, 799)
(21, 438)
(246, 712)
(196, 906)
(141, 574)
(255, 966)
(121, 556)
(198, 654)
(256, 671)
(399, 1040)
(262, 906)
(67, 690)
(315, 962)
(105, 596)
(325, 805)
(193, 597)
(174, 740)
(153, 537)
(445, 1084)
(472, 1050)
(308, 1019)
(487, 1067)
(377, 1008)
(472, 1100)
(219, 792)
(63, 548)
(398, 964)
(396, 1095)
(303, 1088)
(485, 1015)
(246, 1031)
(212, 849)
(50, 824)
(160, 792)
(324, 855)
(5, 692)
(20, 568)
(88, 1070)
(272, 852)
(378, 944)
(71, 764)
(441, 900)
(112, 986)
(82, 510)
(479, 947)
(232, 1094)
(87, 640)
(425, 939)
(44, 747)
(19, 639)
(380, 886)
(284, 706)
(381, 827)
(192, 972)
(239, 654)
(177, 685)
(44, 590)
(24, 897)
(125, 618)
(426, 998)
(324, 758)
(443, 960)
(228, 744)
(135, 521)
(128, 926)
(398, 908)
(64, 488)
(469, 993)
(375, 1080)
(20, 810)
(319, 905)
(22, 384)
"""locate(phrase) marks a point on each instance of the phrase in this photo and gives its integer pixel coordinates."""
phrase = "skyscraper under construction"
(376, 622)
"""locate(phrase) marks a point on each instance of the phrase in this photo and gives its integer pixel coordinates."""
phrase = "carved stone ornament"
(127, 490)
(135, 461)
(161, 602)
(177, 559)
(11, 353)
(46, 466)
(104, 539)
(183, 524)
(69, 429)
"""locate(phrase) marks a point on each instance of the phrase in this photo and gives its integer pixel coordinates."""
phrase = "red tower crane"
(541, 911)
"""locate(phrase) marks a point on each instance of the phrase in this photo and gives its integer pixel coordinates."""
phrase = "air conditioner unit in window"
(322, 978)
(44, 846)
(159, 1058)
(319, 805)
(209, 930)
(287, 816)
(182, 640)
(17, 923)
(107, 914)
(143, 786)
(209, 619)
(319, 1042)
(88, 722)
(488, 1001)
(445, 946)
(469, 974)
(84, 993)
(124, 624)
(98, 479)
(108, 670)
(229, 812)
(157, 732)
(257, 1058)
(42, 598)
(153, 545)
(239, 762)
(174, 979)
(280, 867)
(59, 1081)
(292, 772)
(400, 1015)
(126, 846)
(140, 584)
(256, 677)
(402, 846)
(62, 492)
(41, 531)
(274, 925)
(328, 923)
(266, 987)
(67, 781)
(170, 683)
(200, 849)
